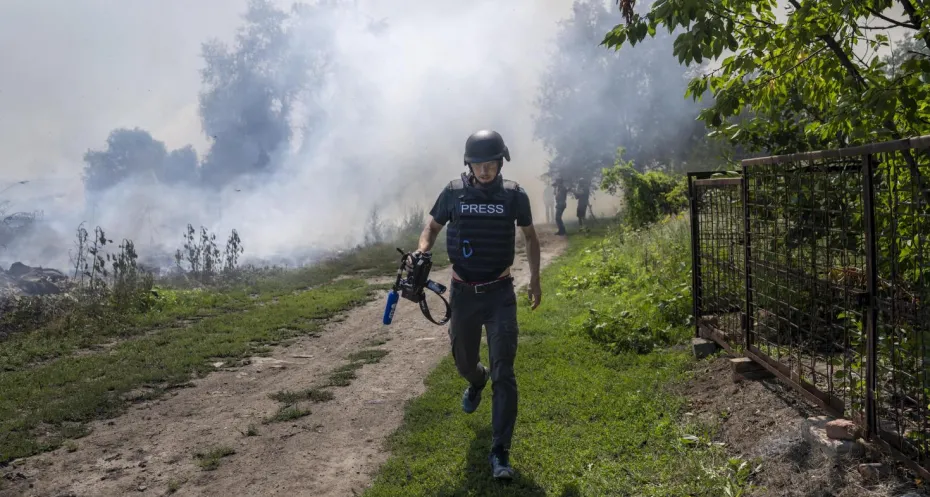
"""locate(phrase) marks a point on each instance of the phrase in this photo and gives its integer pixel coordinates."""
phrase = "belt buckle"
(480, 285)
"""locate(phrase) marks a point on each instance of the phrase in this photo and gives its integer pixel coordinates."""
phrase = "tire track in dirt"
(334, 451)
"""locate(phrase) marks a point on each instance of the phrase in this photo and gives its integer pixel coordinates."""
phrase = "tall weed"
(637, 283)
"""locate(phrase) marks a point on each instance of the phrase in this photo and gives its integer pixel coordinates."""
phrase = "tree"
(647, 196)
(249, 95)
(180, 167)
(905, 50)
(129, 152)
(593, 100)
(811, 81)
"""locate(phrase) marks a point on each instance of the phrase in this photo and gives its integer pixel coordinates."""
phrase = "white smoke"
(400, 102)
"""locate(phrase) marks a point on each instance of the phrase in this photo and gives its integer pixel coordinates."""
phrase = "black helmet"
(485, 146)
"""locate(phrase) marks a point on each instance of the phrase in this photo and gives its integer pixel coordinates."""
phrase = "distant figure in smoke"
(583, 194)
(561, 196)
(483, 210)
(549, 202)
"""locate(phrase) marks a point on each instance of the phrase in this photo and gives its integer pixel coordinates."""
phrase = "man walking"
(482, 210)
(561, 197)
(549, 201)
(584, 192)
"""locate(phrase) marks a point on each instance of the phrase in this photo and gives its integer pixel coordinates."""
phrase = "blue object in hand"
(390, 307)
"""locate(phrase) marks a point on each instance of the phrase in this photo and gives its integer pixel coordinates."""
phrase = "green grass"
(343, 375)
(369, 356)
(178, 308)
(288, 413)
(592, 420)
(174, 308)
(635, 286)
(210, 460)
(49, 391)
(310, 394)
(43, 405)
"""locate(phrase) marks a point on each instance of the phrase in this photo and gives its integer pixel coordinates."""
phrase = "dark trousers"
(496, 310)
(559, 209)
(581, 212)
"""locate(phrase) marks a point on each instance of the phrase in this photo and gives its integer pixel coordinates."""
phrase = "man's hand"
(532, 256)
(414, 257)
(534, 291)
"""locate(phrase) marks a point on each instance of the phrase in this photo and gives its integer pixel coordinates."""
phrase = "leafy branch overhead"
(823, 74)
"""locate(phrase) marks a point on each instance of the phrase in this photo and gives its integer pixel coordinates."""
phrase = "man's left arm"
(532, 250)
(525, 222)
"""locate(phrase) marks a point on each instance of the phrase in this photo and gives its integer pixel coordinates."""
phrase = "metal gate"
(816, 266)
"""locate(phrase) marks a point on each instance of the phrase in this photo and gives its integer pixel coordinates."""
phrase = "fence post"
(696, 293)
(747, 259)
(870, 314)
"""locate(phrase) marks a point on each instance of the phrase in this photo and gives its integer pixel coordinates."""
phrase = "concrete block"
(744, 368)
(745, 365)
(703, 348)
(814, 431)
(711, 321)
(751, 376)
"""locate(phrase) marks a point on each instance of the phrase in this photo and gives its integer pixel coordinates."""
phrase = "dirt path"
(332, 452)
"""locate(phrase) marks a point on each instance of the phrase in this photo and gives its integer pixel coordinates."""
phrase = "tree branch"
(860, 26)
(792, 68)
(861, 85)
(840, 54)
(892, 21)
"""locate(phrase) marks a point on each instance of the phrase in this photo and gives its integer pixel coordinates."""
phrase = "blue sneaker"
(472, 396)
(500, 465)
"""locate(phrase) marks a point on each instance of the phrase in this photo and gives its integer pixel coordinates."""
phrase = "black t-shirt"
(561, 194)
(442, 209)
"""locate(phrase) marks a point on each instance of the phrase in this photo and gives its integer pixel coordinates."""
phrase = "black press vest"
(481, 231)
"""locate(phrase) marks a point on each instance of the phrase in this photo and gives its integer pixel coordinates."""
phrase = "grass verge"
(44, 405)
(180, 307)
(595, 418)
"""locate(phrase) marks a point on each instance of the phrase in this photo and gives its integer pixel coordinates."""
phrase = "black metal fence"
(816, 266)
(719, 286)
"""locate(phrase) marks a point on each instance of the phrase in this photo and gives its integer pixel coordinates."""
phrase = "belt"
(489, 286)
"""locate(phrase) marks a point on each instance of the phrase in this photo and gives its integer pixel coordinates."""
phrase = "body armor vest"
(481, 231)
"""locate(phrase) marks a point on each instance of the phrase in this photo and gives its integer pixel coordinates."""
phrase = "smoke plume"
(348, 108)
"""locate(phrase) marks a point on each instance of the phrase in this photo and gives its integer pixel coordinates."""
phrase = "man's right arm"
(439, 216)
(428, 235)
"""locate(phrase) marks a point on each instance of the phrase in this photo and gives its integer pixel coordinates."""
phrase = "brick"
(842, 429)
(814, 431)
(702, 347)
